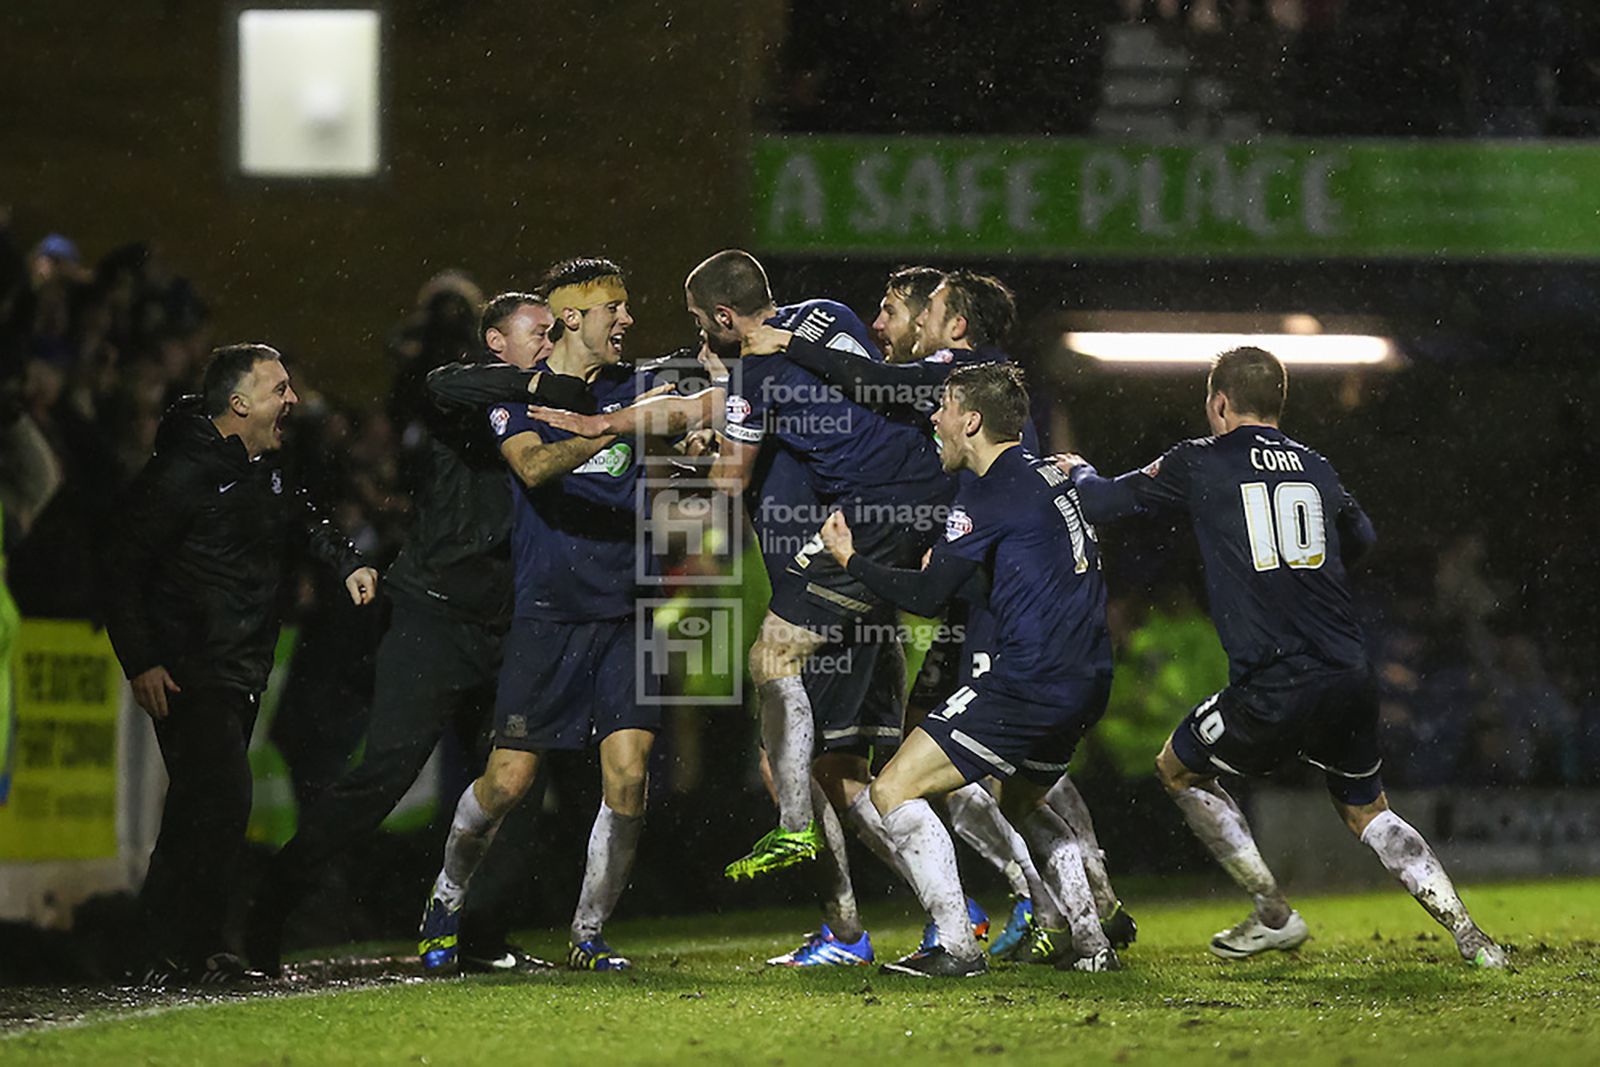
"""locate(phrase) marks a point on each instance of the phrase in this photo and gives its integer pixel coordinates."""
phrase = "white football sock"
(838, 893)
(975, 817)
(930, 858)
(471, 831)
(1061, 866)
(789, 734)
(1220, 825)
(613, 841)
(1065, 800)
(1409, 858)
(865, 822)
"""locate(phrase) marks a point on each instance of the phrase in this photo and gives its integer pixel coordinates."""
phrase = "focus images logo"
(690, 652)
(787, 529)
(688, 534)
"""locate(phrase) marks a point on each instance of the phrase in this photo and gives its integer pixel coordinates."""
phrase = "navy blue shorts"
(858, 694)
(958, 655)
(567, 685)
(818, 594)
(1295, 708)
(984, 732)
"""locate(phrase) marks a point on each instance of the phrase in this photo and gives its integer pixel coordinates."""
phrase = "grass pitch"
(1375, 985)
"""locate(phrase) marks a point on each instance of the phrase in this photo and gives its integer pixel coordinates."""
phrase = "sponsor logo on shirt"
(1152, 469)
(277, 483)
(944, 355)
(614, 460)
(957, 524)
(499, 419)
(738, 408)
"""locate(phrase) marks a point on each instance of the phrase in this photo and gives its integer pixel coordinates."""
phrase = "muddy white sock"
(789, 734)
(1065, 800)
(930, 859)
(838, 893)
(1060, 860)
(612, 843)
(1220, 825)
(864, 821)
(472, 829)
(1409, 858)
(976, 819)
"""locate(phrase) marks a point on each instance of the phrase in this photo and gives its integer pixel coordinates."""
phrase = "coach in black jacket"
(194, 591)
(451, 592)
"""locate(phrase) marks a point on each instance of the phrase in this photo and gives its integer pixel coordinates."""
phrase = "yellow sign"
(63, 799)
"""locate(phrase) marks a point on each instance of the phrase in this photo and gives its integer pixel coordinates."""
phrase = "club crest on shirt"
(1151, 469)
(738, 409)
(957, 524)
(499, 419)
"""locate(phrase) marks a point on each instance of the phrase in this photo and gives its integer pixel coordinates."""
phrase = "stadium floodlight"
(1323, 349)
(309, 92)
(1156, 340)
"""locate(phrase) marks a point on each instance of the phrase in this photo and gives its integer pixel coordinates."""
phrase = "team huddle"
(808, 419)
(887, 470)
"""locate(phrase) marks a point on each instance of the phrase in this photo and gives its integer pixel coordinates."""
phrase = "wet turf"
(1376, 985)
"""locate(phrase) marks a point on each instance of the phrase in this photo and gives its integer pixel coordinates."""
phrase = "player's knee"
(887, 793)
(770, 660)
(1165, 777)
(1357, 803)
(624, 789)
(503, 785)
(1171, 773)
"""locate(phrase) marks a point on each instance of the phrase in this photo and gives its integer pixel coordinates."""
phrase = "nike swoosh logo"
(225, 488)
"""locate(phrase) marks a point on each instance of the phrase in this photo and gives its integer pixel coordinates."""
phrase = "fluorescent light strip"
(1326, 349)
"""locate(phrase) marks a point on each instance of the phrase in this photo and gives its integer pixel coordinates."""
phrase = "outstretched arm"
(868, 382)
(655, 414)
(477, 385)
(923, 592)
(534, 462)
(1103, 499)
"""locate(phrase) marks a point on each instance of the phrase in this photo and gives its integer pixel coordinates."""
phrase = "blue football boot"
(595, 955)
(825, 949)
(1016, 930)
(975, 915)
(437, 937)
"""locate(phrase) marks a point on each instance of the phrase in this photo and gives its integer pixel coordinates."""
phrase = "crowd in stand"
(1331, 67)
(92, 352)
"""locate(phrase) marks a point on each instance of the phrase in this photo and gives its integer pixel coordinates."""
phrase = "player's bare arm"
(536, 462)
(656, 414)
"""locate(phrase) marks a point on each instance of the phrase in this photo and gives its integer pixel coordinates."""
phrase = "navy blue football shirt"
(573, 538)
(783, 508)
(1022, 523)
(848, 452)
(1275, 527)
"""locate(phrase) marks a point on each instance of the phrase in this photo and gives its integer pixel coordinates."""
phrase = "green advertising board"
(1035, 197)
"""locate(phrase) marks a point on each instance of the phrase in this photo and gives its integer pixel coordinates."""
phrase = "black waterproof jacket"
(200, 553)
(457, 555)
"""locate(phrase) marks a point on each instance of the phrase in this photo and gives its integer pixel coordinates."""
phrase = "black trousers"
(435, 672)
(204, 740)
